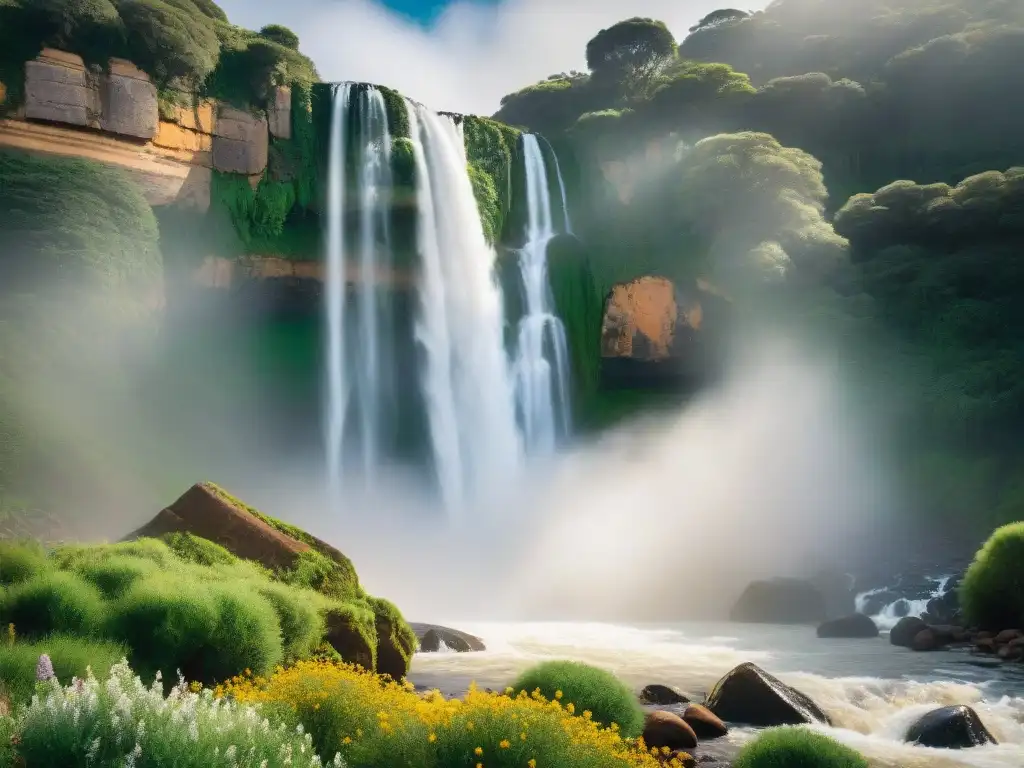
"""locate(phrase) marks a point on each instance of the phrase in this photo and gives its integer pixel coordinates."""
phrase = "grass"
(992, 592)
(797, 748)
(71, 657)
(587, 688)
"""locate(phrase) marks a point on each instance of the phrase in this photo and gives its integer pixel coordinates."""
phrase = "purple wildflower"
(44, 669)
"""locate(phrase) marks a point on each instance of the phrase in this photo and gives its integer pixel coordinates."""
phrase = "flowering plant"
(123, 722)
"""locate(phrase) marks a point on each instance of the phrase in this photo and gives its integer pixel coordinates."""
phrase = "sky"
(457, 55)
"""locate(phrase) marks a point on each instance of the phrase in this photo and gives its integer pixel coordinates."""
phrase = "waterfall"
(466, 380)
(542, 359)
(561, 189)
(356, 354)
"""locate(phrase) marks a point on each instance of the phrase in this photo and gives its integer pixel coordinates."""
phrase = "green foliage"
(403, 163)
(302, 624)
(198, 550)
(631, 53)
(398, 117)
(320, 573)
(70, 655)
(797, 748)
(492, 149)
(51, 603)
(992, 592)
(588, 689)
(280, 35)
(170, 43)
(115, 575)
(487, 202)
(20, 561)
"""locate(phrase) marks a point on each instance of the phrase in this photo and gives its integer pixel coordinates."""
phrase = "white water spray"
(355, 356)
(561, 189)
(542, 358)
(466, 381)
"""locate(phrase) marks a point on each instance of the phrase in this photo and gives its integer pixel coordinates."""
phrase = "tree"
(716, 18)
(281, 35)
(631, 53)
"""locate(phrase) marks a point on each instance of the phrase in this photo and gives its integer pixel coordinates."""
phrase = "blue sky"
(459, 55)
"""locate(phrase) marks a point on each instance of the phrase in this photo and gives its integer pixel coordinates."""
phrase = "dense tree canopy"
(630, 53)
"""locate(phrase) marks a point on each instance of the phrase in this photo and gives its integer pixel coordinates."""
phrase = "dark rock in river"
(950, 728)
(927, 640)
(667, 729)
(780, 601)
(662, 695)
(705, 723)
(431, 636)
(905, 630)
(855, 625)
(750, 696)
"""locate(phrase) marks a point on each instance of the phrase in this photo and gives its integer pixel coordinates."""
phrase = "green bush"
(169, 43)
(300, 617)
(52, 603)
(115, 575)
(198, 550)
(588, 689)
(57, 732)
(20, 561)
(992, 592)
(797, 748)
(280, 35)
(71, 657)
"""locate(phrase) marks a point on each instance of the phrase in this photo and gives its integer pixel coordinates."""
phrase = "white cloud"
(471, 56)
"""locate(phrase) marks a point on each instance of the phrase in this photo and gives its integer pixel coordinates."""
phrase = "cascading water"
(466, 380)
(561, 189)
(354, 357)
(542, 360)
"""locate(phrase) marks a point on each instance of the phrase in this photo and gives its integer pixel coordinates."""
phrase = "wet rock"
(1008, 635)
(927, 640)
(750, 696)
(431, 636)
(705, 723)
(780, 601)
(1012, 651)
(667, 729)
(956, 727)
(906, 630)
(984, 643)
(855, 625)
(661, 695)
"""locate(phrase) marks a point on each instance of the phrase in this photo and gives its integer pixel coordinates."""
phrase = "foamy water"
(871, 690)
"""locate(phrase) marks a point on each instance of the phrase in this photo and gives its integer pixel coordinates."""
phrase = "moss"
(398, 116)
(197, 550)
(487, 202)
(797, 748)
(992, 592)
(492, 149)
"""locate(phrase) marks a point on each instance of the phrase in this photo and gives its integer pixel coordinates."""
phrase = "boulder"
(431, 636)
(1008, 635)
(854, 625)
(955, 727)
(780, 601)
(58, 89)
(661, 695)
(705, 723)
(667, 729)
(351, 639)
(905, 630)
(927, 640)
(750, 696)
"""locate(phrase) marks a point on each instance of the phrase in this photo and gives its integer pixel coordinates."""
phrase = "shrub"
(170, 44)
(207, 632)
(797, 748)
(302, 624)
(20, 561)
(71, 657)
(992, 592)
(125, 723)
(54, 602)
(152, 550)
(588, 688)
(318, 572)
(115, 575)
(370, 721)
(280, 35)
(198, 550)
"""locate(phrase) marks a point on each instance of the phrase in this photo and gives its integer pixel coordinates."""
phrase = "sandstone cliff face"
(643, 318)
(114, 118)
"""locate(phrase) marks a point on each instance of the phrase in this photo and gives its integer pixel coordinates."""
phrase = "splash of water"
(355, 359)
(890, 614)
(466, 379)
(542, 359)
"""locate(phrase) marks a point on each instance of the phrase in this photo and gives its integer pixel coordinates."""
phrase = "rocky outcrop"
(661, 695)
(279, 113)
(957, 727)
(669, 730)
(750, 696)
(240, 141)
(432, 636)
(128, 102)
(780, 601)
(854, 625)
